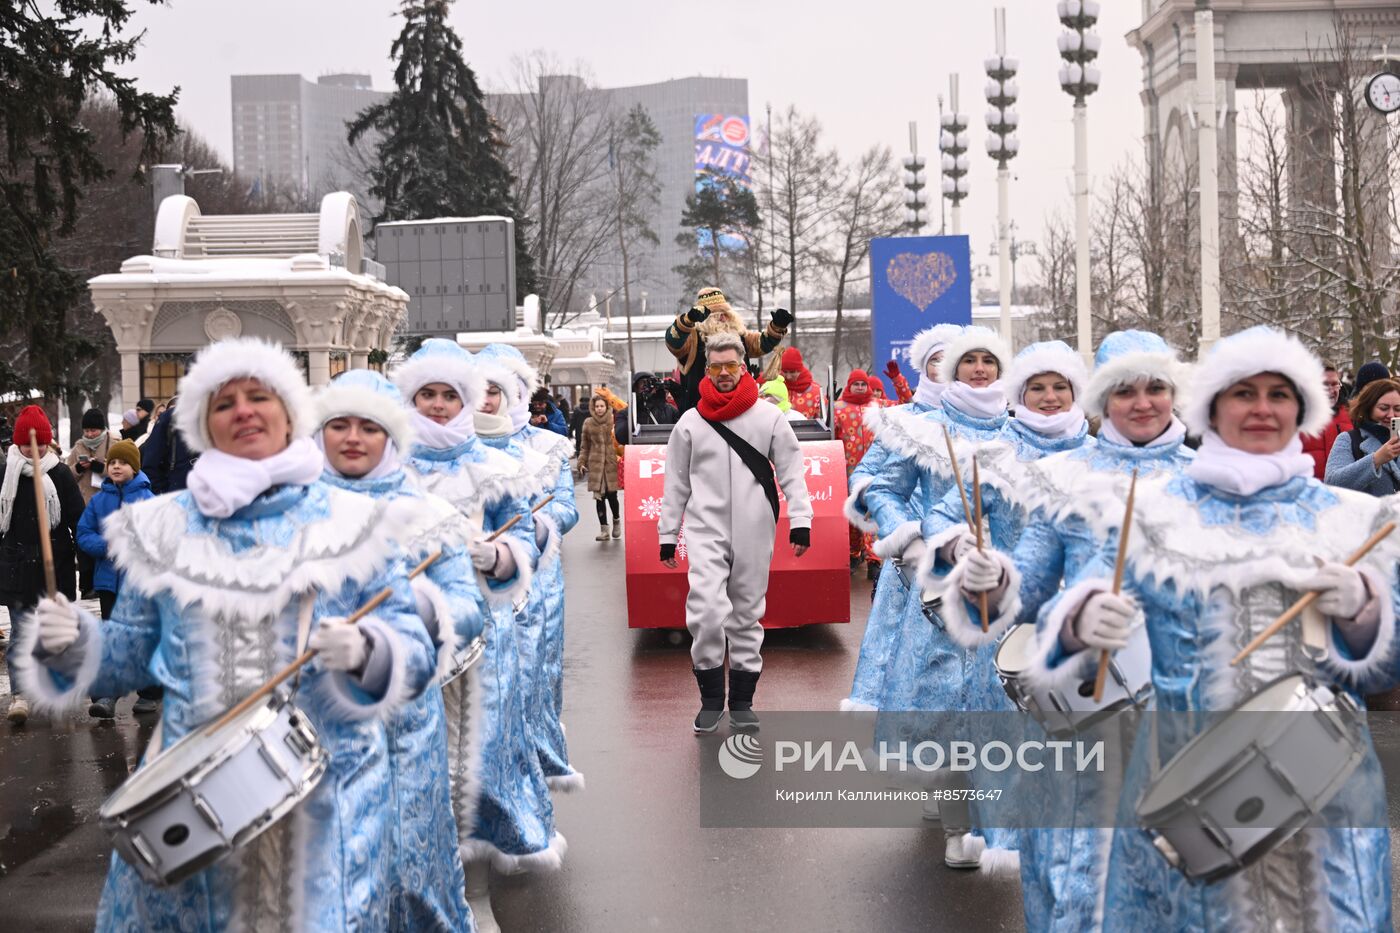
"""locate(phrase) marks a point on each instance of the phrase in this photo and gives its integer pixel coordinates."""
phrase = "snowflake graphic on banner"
(650, 507)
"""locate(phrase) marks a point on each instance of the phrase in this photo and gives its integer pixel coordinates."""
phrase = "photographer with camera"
(653, 407)
(1365, 458)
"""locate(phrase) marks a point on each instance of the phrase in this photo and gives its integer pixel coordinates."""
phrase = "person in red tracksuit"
(1319, 446)
(857, 435)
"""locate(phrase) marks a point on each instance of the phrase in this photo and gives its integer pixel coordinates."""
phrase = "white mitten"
(913, 554)
(1105, 621)
(341, 647)
(982, 571)
(57, 620)
(1341, 590)
(483, 554)
(967, 541)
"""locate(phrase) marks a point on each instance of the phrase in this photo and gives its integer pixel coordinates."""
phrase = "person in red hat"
(804, 394)
(856, 432)
(21, 560)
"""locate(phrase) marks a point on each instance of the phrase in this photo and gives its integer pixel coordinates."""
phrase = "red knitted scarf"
(722, 406)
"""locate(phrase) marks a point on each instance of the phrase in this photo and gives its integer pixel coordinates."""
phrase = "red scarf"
(722, 406)
(792, 359)
(857, 375)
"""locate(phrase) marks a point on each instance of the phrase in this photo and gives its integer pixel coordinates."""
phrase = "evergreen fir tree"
(440, 152)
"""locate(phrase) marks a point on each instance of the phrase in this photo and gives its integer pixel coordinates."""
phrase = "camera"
(1395, 427)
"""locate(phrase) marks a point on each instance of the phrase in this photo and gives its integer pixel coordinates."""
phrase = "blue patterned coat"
(502, 802)
(1211, 570)
(429, 886)
(209, 610)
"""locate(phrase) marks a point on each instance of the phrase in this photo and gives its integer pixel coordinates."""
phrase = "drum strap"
(304, 614)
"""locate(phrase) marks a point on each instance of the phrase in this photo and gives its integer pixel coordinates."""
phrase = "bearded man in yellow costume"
(686, 337)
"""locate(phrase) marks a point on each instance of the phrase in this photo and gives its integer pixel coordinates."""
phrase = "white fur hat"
(439, 360)
(1128, 356)
(220, 363)
(928, 342)
(363, 393)
(973, 338)
(1051, 356)
(511, 358)
(1249, 353)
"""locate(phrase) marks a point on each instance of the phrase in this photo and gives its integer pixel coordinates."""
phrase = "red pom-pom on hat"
(32, 417)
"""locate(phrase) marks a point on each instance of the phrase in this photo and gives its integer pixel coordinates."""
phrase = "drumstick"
(1102, 675)
(977, 517)
(957, 475)
(42, 510)
(1307, 599)
(351, 619)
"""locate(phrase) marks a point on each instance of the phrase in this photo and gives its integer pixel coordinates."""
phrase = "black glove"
(782, 317)
(697, 314)
(673, 387)
(81, 468)
(99, 466)
(802, 536)
(668, 551)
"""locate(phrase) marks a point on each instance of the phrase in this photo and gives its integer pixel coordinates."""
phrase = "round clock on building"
(1383, 92)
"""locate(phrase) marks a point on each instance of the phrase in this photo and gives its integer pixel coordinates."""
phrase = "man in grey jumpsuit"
(729, 525)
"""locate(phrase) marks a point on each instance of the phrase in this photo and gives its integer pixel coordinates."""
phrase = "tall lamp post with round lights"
(953, 141)
(1002, 145)
(1079, 78)
(914, 183)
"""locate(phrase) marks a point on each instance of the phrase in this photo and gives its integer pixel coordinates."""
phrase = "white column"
(1081, 231)
(1004, 250)
(359, 359)
(957, 217)
(318, 366)
(1210, 179)
(131, 377)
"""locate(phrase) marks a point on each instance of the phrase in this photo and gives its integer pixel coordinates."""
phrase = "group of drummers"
(356, 611)
(1080, 575)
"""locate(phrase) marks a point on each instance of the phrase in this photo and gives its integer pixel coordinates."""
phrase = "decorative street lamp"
(1002, 145)
(1079, 78)
(914, 184)
(954, 142)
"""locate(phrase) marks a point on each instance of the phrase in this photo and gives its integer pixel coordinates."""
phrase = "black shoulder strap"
(759, 465)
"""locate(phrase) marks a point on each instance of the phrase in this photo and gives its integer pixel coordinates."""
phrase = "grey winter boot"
(742, 684)
(602, 534)
(711, 699)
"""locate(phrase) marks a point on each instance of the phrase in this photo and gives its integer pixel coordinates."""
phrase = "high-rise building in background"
(289, 133)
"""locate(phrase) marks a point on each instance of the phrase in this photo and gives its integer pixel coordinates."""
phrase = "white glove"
(982, 571)
(913, 554)
(966, 542)
(341, 647)
(57, 619)
(483, 554)
(1342, 593)
(1105, 621)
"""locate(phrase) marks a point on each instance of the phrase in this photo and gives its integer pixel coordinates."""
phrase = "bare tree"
(632, 153)
(557, 126)
(869, 206)
(1055, 282)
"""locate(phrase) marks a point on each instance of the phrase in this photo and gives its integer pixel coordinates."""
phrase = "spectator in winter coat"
(88, 461)
(167, 457)
(544, 414)
(1319, 446)
(576, 422)
(652, 405)
(1364, 458)
(137, 421)
(597, 457)
(21, 564)
(803, 392)
(125, 484)
(686, 337)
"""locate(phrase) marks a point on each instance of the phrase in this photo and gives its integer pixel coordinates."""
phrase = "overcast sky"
(865, 69)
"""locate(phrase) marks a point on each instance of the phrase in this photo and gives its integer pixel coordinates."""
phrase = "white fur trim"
(974, 338)
(963, 629)
(999, 862)
(926, 343)
(466, 735)
(551, 858)
(445, 623)
(549, 552)
(1361, 673)
(849, 705)
(522, 371)
(894, 543)
(919, 436)
(494, 371)
(36, 680)
(1131, 368)
(854, 508)
(1045, 358)
(519, 587)
(344, 697)
(1075, 668)
(220, 363)
(570, 783)
(151, 543)
(462, 374)
(1248, 353)
(556, 446)
(873, 418)
(339, 401)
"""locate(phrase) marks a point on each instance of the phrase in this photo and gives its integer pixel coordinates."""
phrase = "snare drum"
(212, 792)
(463, 659)
(1063, 711)
(1244, 786)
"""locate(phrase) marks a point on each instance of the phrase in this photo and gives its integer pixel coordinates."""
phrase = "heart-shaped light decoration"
(921, 278)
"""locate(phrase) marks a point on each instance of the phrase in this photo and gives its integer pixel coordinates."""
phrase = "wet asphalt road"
(638, 858)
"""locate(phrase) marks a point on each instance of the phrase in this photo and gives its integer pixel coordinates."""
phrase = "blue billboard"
(915, 283)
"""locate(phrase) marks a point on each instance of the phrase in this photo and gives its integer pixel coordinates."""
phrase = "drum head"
(1017, 650)
(159, 773)
(1212, 749)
